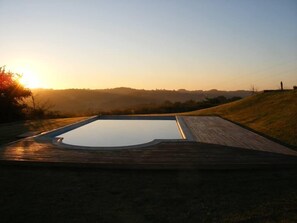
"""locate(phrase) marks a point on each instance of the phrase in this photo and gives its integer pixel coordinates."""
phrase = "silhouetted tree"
(254, 89)
(12, 93)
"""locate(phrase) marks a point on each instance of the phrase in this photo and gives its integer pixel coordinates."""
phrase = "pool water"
(115, 133)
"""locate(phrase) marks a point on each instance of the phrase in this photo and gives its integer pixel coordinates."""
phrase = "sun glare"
(29, 79)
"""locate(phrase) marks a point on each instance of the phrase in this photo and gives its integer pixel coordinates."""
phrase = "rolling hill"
(273, 113)
(88, 102)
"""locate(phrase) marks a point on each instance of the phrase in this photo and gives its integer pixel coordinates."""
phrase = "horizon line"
(141, 89)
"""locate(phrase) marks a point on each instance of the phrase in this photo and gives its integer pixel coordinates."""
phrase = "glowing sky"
(164, 44)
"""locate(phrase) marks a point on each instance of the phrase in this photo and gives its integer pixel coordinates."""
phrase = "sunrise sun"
(29, 79)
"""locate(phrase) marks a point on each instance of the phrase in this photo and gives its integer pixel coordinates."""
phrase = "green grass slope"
(273, 113)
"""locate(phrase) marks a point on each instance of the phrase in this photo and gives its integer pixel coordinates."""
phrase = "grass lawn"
(85, 195)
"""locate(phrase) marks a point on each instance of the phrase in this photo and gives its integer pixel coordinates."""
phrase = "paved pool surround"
(209, 142)
(53, 136)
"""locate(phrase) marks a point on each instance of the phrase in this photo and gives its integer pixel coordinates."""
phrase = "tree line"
(173, 107)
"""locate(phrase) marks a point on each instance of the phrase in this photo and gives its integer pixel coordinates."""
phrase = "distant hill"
(273, 113)
(84, 101)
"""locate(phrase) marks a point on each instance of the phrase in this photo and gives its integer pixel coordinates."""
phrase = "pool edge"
(51, 136)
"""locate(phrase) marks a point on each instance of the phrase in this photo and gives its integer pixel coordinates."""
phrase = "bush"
(12, 94)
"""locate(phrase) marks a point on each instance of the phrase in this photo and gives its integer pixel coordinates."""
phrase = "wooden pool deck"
(217, 144)
(215, 130)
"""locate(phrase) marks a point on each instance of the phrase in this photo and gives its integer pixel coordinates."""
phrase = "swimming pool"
(122, 132)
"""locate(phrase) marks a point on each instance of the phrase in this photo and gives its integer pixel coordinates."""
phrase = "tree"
(254, 89)
(12, 94)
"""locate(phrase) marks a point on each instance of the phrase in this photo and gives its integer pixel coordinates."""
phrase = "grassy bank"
(10, 131)
(274, 114)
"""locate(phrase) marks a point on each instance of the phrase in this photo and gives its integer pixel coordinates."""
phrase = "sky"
(151, 44)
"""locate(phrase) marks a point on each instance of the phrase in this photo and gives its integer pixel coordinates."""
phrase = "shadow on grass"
(80, 195)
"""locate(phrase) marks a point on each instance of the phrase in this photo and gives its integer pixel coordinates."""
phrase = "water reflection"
(110, 133)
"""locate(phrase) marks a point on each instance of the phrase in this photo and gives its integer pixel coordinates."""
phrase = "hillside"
(86, 102)
(274, 114)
